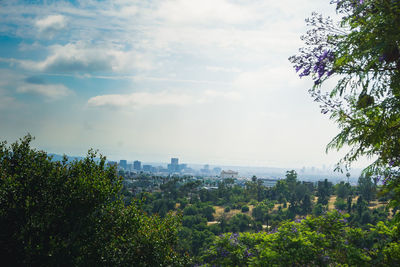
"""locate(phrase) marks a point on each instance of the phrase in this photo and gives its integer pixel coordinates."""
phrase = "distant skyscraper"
(123, 164)
(137, 165)
(174, 166)
(174, 161)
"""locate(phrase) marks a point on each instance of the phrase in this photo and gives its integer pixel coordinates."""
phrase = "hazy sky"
(207, 81)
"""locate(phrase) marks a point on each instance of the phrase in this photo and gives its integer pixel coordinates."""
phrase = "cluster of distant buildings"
(136, 166)
(174, 167)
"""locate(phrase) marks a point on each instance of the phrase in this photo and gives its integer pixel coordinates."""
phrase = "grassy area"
(220, 210)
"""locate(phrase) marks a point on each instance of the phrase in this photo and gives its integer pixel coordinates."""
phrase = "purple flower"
(273, 231)
(305, 72)
(224, 253)
(385, 180)
(320, 66)
(247, 253)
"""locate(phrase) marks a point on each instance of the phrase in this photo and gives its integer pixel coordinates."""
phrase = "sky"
(207, 81)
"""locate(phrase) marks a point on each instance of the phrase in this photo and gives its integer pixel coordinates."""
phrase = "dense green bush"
(61, 213)
(326, 240)
(340, 204)
(245, 209)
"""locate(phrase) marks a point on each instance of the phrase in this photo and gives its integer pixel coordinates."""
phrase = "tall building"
(123, 164)
(174, 161)
(137, 165)
(174, 166)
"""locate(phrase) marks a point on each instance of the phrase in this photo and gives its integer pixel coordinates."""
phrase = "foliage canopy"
(60, 213)
(361, 55)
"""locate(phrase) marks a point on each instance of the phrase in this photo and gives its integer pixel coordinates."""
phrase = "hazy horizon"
(205, 81)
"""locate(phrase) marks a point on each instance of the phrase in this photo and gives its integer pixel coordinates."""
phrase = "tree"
(340, 204)
(362, 54)
(240, 222)
(313, 241)
(208, 212)
(61, 213)
(254, 189)
(343, 190)
(366, 187)
(281, 191)
(261, 212)
(324, 191)
(349, 204)
(306, 204)
(291, 180)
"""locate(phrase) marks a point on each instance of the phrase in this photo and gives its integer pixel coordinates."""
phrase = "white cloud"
(222, 69)
(214, 94)
(84, 58)
(50, 91)
(50, 25)
(164, 98)
(123, 10)
(209, 12)
(11, 82)
(125, 36)
(30, 47)
(140, 99)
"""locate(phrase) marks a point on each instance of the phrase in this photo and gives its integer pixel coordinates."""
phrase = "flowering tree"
(361, 55)
(327, 240)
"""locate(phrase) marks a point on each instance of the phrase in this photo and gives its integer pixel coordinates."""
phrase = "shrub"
(245, 209)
